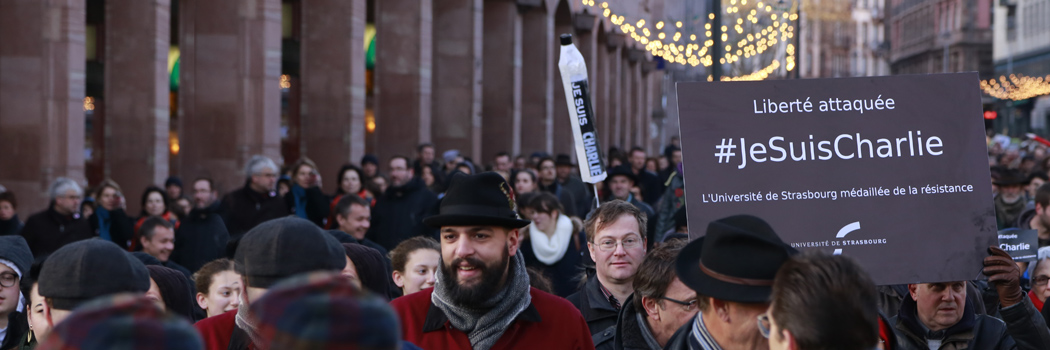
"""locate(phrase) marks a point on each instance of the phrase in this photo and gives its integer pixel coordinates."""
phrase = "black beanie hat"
(371, 268)
(84, 270)
(174, 289)
(15, 249)
(284, 247)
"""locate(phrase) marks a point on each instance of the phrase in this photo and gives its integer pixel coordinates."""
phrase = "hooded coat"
(48, 230)
(1021, 327)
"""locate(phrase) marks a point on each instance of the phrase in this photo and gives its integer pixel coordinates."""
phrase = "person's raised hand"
(1003, 273)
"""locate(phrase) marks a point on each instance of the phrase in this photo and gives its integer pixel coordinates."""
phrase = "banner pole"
(597, 202)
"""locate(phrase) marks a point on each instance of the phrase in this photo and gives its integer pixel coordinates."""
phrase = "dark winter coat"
(565, 197)
(651, 187)
(121, 227)
(564, 274)
(17, 328)
(596, 309)
(629, 333)
(580, 193)
(399, 213)
(1021, 327)
(201, 238)
(316, 205)
(48, 230)
(548, 323)
(244, 209)
(11, 227)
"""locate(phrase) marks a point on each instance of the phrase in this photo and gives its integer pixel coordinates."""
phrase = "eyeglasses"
(607, 245)
(764, 325)
(8, 279)
(1040, 280)
(689, 305)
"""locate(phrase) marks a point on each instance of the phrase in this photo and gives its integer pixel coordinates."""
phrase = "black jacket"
(596, 309)
(17, 328)
(244, 209)
(11, 227)
(580, 194)
(316, 205)
(567, 199)
(1022, 328)
(651, 187)
(201, 238)
(48, 230)
(121, 227)
(629, 333)
(680, 339)
(398, 214)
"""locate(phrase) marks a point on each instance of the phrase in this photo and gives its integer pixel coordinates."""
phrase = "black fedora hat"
(622, 170)
(471, 200)
(1011, 177)
(736, 261)
(563, 160)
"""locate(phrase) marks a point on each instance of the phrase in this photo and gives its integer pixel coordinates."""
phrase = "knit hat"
(122, 322)
(15, 253)
(174, 289)
(324, 311)
(284, 247)
(371, 268)
(450, 155)
(368, 158)
(173, 180)
(88, 269)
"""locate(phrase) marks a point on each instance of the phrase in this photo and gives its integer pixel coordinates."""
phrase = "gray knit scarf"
(246, 323)
(485, 321)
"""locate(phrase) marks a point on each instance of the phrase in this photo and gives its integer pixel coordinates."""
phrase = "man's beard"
(485, 289)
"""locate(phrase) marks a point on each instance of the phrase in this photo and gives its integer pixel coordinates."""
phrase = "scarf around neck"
(485, 321)
(299, 194)
(245, 323)
(550, 249)
(103, 223)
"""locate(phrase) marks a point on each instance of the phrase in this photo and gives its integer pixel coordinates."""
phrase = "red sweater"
(550, 323)
(217, 330)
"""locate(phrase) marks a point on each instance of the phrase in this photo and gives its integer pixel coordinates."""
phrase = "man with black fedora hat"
(732, 270)
(274, 250)
(85, 270)
(1010, 202)
(482, 299)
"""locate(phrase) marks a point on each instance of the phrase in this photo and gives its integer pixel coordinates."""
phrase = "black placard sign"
(892, 171)
(1022, 245)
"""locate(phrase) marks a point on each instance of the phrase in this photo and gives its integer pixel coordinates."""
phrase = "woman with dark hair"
(554, 243)
(109, 219)
(155, 202)
(171, 291)
(351, 180)
(367, 268)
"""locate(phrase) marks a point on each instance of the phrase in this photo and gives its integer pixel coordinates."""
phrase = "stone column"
(562, 133)
(136, 94)
(540, 80)
(457, 76)
(641, 129)
(404, 59)
(333, 84)
(600, 90)
(629, 104)
(502, 78)
(229, 89)
(615, 88)
(41, 97)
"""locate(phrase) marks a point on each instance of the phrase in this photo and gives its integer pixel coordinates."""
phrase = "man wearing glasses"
(732, 270)
(660, 305)
(60, 223)
(616, 242)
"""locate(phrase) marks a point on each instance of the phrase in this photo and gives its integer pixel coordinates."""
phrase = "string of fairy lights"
(1016, 87)
(756, 28)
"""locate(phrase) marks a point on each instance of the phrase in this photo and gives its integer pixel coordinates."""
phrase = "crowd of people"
(447, 253)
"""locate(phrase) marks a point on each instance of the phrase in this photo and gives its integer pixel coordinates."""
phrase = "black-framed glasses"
(689, 305)
(764, 325)
(1040, 280)
(8, 279)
